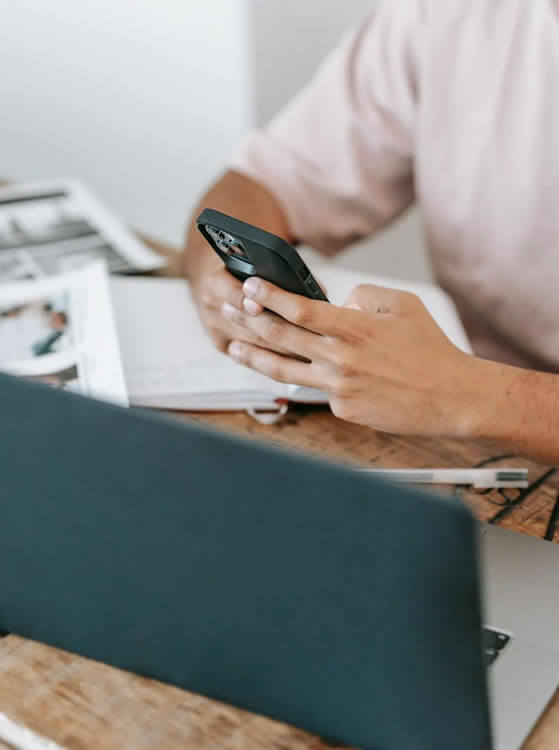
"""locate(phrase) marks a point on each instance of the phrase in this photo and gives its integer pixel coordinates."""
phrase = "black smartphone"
(249, 251)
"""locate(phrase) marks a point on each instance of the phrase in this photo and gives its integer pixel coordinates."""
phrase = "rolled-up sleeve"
(339, 157)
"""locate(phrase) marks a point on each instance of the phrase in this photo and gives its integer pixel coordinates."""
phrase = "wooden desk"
(82, 704)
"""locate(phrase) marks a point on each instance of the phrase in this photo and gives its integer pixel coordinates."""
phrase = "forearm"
(238, 196)
(519, 409)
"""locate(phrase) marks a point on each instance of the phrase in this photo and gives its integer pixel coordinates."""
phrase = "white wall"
(290, 39)
(143, 99)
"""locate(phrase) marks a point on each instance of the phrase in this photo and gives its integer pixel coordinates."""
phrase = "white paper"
(169, 361)
(57, 225)
(60, 330)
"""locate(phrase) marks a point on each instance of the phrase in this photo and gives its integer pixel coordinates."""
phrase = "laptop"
(282, 584)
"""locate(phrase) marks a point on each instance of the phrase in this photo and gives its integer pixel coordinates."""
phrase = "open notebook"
(170, 363)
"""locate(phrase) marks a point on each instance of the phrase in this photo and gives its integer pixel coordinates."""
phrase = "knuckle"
(273, 329)
(340, 386)
(302, 314)
(346, 369)
(234, 294)
(206, 297)
(236, 317)
(361, 293)
(274, 371)
(250, 338)
(342, 362)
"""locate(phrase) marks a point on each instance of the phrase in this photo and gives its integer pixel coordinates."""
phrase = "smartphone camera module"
(227, 243)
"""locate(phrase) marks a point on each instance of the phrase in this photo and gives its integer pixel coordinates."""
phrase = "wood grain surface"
(83, 704)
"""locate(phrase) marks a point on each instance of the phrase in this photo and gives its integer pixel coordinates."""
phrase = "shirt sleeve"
(339, 157)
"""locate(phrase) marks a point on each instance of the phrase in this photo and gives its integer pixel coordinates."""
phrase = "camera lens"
(227, 243)
(237, 248)
(214, 233)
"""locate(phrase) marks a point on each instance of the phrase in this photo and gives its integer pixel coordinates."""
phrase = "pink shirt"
(453, 104)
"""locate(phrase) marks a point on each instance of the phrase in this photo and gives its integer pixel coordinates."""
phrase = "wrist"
(476, 404)
(487, 411)
(515, 407)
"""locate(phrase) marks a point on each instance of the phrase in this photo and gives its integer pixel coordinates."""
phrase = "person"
(451, 105)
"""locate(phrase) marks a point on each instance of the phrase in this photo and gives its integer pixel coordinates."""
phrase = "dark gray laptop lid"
(281, 584)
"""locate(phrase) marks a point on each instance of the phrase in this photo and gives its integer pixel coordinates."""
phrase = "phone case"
(249, 251)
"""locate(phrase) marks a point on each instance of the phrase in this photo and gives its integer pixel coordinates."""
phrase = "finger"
(377, 299)
(226, 331)
(222, 287)
(314, 315)
(275, 366)
(276, 331)
(251, 307)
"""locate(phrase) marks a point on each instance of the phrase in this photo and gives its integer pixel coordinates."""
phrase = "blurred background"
(145, 99)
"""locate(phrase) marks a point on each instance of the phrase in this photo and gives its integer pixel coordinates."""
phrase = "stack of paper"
(56, 321)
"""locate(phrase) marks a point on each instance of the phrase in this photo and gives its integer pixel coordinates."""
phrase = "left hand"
(381, 359)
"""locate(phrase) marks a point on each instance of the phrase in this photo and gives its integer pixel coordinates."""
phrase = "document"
(169, 360)
(60, 330)
(54, 226)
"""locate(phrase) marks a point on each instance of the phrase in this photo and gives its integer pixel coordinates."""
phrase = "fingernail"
(250, 287)
(227, 310)
(251, 306)
(235, 350)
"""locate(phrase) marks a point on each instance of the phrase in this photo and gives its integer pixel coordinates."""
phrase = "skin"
(381, 358)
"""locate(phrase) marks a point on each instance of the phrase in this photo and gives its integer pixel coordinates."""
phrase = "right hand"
(210, 292)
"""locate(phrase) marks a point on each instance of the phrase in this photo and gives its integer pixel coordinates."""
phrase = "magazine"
(53, 226)
(60, 330)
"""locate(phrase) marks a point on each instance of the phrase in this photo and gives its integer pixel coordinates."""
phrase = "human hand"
(381, 359)
(210, 293)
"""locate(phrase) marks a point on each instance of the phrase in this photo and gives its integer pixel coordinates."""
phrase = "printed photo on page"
(60, 331)
(55, 226)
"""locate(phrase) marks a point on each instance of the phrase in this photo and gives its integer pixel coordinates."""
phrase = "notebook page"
(166, 351)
